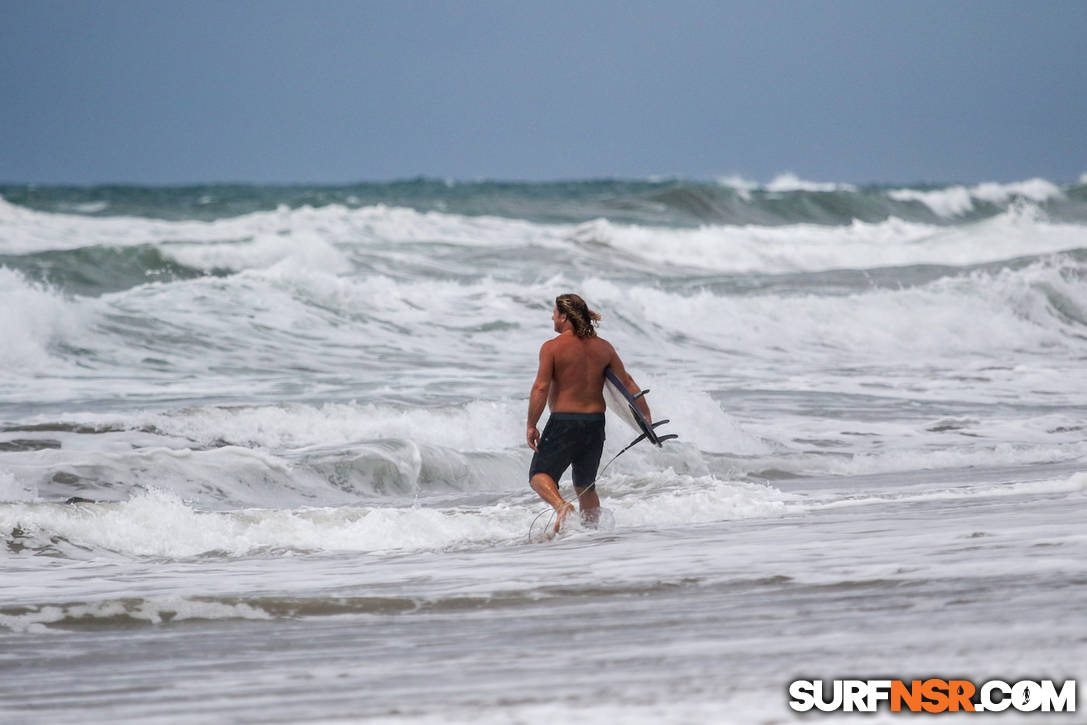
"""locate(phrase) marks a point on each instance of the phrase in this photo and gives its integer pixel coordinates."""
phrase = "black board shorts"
(570, 439)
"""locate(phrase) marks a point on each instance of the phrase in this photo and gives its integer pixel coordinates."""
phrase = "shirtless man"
(571, 382)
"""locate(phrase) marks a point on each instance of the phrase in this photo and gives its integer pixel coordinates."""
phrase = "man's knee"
(541, 481)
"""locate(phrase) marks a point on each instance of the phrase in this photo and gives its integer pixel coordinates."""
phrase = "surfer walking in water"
(570, 382)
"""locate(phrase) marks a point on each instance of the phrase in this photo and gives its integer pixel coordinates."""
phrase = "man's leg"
(585, 467)
(548, 490)
(590, 504)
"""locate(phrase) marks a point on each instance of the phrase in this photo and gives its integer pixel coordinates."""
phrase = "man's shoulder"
(560, 341)
(563, 339)
(603, 344)
(550, 346)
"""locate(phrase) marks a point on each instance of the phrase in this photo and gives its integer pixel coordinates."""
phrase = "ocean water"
(295, 417)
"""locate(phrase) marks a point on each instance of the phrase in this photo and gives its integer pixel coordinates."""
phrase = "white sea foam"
(237, 476)
(980, 312)
(659, 500)
(955, 201)
(768, 249)
(699, 420)
(1015, 333)
(951, 457)
(948, 202)
(13, 489)
(89, 207)
(25, 231)
(304, 456)
(32, 318)
(861, 245)
(789, 181)
(327, 239)
(738, 182)
(666, 498)
(294, 454)
(210, 333)
(1033, 189)
(339, 418)
(265, 237)
(1032, 489)
(464, 428)
(742, 186)
(299, 250)
(181, 531)
(154, 611)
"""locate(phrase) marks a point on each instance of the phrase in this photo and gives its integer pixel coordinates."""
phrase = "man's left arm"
(537, 399)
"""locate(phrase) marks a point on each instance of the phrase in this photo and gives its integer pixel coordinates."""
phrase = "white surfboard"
(622, 403)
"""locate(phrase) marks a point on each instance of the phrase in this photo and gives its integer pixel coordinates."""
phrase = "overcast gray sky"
(332, 91)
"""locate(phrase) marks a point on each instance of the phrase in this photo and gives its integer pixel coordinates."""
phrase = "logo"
(932, 695)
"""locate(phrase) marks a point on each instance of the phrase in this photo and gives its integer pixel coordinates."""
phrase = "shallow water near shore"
(294, 420)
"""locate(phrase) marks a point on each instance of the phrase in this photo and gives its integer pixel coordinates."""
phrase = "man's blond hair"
(581, 317)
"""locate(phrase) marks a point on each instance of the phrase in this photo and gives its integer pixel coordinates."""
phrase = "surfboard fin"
(636, 418)
(657, 440)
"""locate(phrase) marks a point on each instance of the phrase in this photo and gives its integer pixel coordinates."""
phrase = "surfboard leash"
(659, 440)
(639, 439)
(648, 432)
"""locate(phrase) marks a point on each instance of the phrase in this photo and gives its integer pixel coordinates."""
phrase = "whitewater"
(262, 450)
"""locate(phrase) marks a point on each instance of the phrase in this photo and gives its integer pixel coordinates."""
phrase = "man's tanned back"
(577, 385)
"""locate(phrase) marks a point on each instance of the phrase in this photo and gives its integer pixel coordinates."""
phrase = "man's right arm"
(632, 387)
(537, 398)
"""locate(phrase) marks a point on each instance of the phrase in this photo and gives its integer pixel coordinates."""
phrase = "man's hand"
(533, 436)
